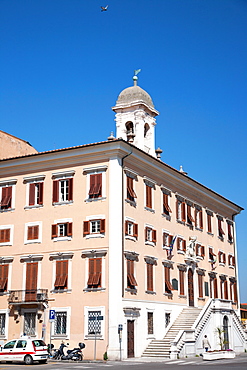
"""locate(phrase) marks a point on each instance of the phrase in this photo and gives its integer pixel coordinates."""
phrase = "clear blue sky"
(64, 62)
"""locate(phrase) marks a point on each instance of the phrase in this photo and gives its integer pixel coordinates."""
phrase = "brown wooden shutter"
(201, 219)
(6, 197)
(184, 245)
(4, 235)
(197, 249)
(154, 239)
(168, 285)
(200, 288)
(61, 274)
(131, 281)
(183, 211)
(225, 290)
(233, 261)
(4, 271)
(126, 228)
(177, 209)
(202, 251)
(215, 288)
(102, 226)
(149, 277)
(178, 244)
(98, 191)
(86, 228)
(181, 280)
(209, 223)
(170, 238)
(31, 281)
(90, 271)
(53, 231)
(70, 193)
(41, 193)
(130, 189)
(69, 228)
(135, 233)
(165, 203)
(31, 194)
(55, 191)
(148, 196)
(146, 233)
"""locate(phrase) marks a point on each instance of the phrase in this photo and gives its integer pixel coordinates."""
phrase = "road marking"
(174, 362)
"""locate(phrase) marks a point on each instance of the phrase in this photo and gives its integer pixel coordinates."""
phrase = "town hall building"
(129, 252)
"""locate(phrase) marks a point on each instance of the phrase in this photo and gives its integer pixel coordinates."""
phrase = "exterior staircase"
(161, 348)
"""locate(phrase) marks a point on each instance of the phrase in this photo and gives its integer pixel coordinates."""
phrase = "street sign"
(52, 314)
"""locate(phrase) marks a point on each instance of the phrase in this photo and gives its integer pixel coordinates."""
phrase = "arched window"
(129, 127)
(146, 128)
(225, 331)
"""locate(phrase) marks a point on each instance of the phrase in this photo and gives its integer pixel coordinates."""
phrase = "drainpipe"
(127, 155)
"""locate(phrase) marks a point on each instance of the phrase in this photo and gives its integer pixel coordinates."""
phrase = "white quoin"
(135, 118)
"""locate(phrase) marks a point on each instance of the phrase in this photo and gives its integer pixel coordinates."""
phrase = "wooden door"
(31, 281)
(190, 288)
(130, 338)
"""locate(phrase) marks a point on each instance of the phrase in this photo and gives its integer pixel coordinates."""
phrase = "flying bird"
(104, 8)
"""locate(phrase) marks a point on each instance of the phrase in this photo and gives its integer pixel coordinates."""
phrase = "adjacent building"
(121, 245)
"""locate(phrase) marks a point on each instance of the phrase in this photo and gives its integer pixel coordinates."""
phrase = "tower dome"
(133, 95)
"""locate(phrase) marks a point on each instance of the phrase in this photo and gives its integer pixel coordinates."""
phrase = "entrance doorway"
(226, 334)
(131, 338)
(190, 288)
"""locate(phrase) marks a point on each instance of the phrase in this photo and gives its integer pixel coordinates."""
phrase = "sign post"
(120, 331)
(96, 319)
(52, 314)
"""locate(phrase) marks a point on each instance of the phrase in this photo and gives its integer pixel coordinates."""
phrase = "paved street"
(239, 363)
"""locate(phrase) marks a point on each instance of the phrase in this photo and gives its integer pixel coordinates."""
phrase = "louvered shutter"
(98, 267)
(181, 280)
(200, 287)
(6, 197)
(183, 212)
(41, 192)
(4, 270)
(69, 229)
(86, 228)
(168, 284)
(202, 251)
(130, 274)
(31, 281)
(148, 196)
(53, 231)
(201, 219)
(225, 290)
(165, 203)
(177, 209)
(135, 233)
(90, 272)
(154, 239)
(146, 233)
(178, 244)
(102, 226)
(184, 245)
(149, 277)
(209, 223)
(70, 193)
(31, 194)
(126, 228)
(55, 191)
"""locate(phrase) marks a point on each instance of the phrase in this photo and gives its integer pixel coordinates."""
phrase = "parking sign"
(52, 315)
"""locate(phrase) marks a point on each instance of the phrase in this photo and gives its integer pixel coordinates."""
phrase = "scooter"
(59, 353)
(74, 354)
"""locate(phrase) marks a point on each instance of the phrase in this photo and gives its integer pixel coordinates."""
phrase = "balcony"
(28, 296)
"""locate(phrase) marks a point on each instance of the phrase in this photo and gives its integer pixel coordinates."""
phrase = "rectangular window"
(150, 321)
(4, 235)
(166, 208)
(211, 255)
(94, 325)
(62, 190)
(167, 239)
(200, 250)
(60, 324)
(2, 324)
(198, 218)
(230, 232)
(181, 244)
(200, 285)
(36, 194)
(131, 195)
(61, 281)
(131, 281)
(6, 199)
(181, 282)
(149, 196)
(33, 232)
(95, 272)
(150, 286)
(150, 235)
(209, 222)
(222, 257)
(94, 227)
(181, 210)
(220, 230)
(168, 285)
(231, 260)
(4, 272)
(29, 323)
(190, 219)
(95, 189)
(61, 230)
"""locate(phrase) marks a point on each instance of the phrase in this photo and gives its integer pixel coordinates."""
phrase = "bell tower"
(135, 117)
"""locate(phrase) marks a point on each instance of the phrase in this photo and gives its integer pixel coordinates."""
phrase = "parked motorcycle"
(59, 353)
(73, 354)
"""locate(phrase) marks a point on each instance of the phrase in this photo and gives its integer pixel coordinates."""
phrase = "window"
(61, 281)
(209, 221)
(200, 250)
(211, 255)
(182, 270)
(148, 196)
(29, 323)
(150, 322)
(198, 218)
(6, 197)
(150, 287)
(131, 195)
(131, 281)
(190, 219)
(213, 286)
(200, 274)
(62, 190)
(95, 190)
(231, 260)
(94, 325)
(181, 245)
(131, 229)
(150, 235)
(61, 230)
(36, 194)
(94, 273)
(230, 232)
(166, 208)
(167, 239)
(149, 187)
(2, 324)
(222, 258)
(33, 232)
(223, 287)
(233, 290)
(4, 236)
(220, 229)
(94, 227)
(4, 272)
(60, 324)
(181, 210)
(168, 285)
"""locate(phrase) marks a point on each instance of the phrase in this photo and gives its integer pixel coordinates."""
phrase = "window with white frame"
(61, 324)
(96, 183)
(94, 269)
(62, 271)
(131, 229)
(198, 217)
(150, 235)
(62, 229)
(149, 194)
(33, 232)
(230, 231)
(166, 209)
(181, 244)
(34, 191)
(231, 260)
(6, 235)
(2, 324)
(94, 226)
(62, 187)
(190, 217)
(94, 325)
(221, 232)
(7, 195)
(167, 239)
(222, 257)
(200, 250)
(29, 323)
(181, 209)
(209, 221)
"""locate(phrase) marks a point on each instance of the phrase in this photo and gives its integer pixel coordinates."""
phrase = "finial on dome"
(135, 78)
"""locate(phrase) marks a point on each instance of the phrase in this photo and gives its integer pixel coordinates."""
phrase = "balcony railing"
(28, 296)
